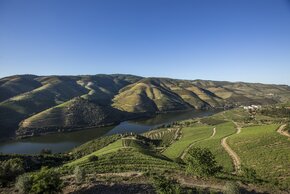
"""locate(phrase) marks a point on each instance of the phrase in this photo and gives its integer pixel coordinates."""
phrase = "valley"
(63, 142)
(108, 133)
(144, 97)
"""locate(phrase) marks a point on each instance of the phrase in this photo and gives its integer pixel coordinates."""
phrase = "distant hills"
(33, 105)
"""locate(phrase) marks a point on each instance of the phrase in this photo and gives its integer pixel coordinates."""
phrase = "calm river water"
(63, 142)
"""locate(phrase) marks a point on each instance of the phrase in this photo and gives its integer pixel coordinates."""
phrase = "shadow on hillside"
(117, 189)
(244, 191)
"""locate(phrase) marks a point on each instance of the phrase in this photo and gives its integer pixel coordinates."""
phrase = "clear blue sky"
(235, 40)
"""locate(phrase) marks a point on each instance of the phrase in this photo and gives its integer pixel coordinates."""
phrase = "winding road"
(213, 132)
(188, 148)
(282, 132)
(236, 159)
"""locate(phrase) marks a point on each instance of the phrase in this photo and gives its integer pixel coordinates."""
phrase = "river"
(63, 142)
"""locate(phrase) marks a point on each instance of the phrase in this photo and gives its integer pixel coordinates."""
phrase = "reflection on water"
(59, 142)
(62, 142)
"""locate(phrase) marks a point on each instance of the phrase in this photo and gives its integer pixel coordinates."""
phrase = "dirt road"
(213, 132)
(187, 149)
(282, 132)
(232, 153)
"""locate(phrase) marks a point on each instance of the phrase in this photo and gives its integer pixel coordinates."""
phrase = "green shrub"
(10, 169)
(178, 161)
(93, 158)
(80, 174)
(165, 186)
(201, 162)
(23, 183)
(249, 173)
(46, 181)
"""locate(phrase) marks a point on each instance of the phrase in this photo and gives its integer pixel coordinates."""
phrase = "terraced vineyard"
(265, 150)
(258, 146)
(116, 157)
(214, 144)
(110, 148)
(189, 136)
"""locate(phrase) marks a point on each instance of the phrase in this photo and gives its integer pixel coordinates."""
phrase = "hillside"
(157, 94)
(31, 105)
(121, 163)
(163, 151)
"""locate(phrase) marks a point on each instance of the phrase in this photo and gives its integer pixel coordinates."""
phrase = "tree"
(249, 173)
(46, 181)
(201, 162)
(10, 169)
(165, 186)
(23, 183)
(93, 158)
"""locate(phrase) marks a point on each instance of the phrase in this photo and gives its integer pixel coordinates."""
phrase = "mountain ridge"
(35, 105)
(124, 74)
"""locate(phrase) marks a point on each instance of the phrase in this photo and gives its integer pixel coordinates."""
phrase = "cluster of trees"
(9, 170)
(21, 170)
(276, 112)
(165, 186)
(45, 181)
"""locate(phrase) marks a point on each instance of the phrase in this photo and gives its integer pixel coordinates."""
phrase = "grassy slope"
(165, 135)
(126, 160)
(147, 95)
(110, 148)
(263, 149)
(94, 145)
(77, 112)
(246, 93)
(99, 91)
(189, 136)
(214, 144)
(116, 158)
(54, 90)
(14, 85)
(199, 136)
(155, 94)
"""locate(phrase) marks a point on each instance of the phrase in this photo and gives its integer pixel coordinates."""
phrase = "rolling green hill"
(32, 104)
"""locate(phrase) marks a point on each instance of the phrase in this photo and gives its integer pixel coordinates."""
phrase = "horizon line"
(161, 77)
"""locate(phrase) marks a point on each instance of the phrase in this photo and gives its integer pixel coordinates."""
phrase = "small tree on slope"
(201, 162)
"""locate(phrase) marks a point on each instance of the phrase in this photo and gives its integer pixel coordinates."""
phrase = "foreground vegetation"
(181, 157)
